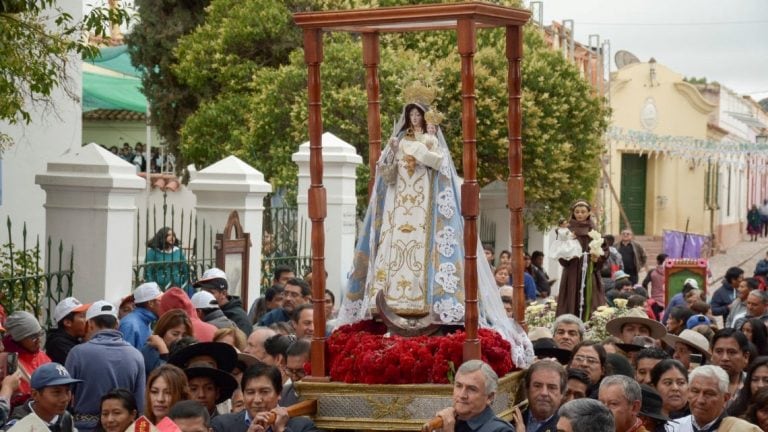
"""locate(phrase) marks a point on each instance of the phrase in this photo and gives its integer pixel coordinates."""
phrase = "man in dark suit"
(474, 389)
(545, 384)
(261, 385)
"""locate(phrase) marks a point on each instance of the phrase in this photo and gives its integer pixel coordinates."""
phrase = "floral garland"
(363, 353)
(543, 315)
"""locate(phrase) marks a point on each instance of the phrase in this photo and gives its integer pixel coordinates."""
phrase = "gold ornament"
(433, 116)
(417, 92)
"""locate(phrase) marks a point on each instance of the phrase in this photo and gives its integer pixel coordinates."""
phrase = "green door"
(633, 169)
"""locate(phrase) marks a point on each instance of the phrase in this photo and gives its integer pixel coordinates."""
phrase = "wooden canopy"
(464, 18)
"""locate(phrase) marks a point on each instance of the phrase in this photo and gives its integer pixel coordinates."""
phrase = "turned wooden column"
(313, 57)
(371, 58)
(516, 195)
(470, 190)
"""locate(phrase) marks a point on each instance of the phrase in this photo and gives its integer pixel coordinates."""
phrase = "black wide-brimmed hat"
(225, 383)
(546, 348)
(652, 403)
(225, 355)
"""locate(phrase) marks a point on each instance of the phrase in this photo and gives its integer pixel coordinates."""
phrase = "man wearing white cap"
(104, 362)
(208, 310)
(215, 282)
(135, 326)
(69, 316)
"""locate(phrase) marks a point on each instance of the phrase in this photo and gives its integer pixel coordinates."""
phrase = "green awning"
(110, 92)
(116, 59)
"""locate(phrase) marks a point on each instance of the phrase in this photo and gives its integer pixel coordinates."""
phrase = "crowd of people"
(136, 155)
(204, 363)
(677, 364)
(197, 361)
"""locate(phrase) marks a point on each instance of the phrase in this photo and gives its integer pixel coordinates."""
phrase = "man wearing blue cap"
(51, 394)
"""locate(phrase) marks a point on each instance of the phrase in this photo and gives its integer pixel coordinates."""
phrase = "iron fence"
(182, 266)
(284, 243)
(25, 285)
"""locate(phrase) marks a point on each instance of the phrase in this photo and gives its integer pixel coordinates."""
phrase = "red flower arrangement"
(360, 353)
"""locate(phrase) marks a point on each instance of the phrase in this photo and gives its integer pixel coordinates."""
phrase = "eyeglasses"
(584, 359)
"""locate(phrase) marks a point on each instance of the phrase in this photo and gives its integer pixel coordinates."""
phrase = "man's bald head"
(255, 343)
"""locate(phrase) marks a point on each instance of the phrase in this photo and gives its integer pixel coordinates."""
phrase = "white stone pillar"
(231, 184)
(340, 161)
(91, 205)
(493, 207)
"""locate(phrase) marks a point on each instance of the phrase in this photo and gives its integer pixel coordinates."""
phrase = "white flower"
(445, 276)
(596, 245)
(449, 310)
(446, 205)
(446, 240)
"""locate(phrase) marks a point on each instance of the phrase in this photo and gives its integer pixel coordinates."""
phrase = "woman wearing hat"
(24, 337)
(670, 378)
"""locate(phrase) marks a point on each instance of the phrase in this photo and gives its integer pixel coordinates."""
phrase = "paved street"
(745, 255)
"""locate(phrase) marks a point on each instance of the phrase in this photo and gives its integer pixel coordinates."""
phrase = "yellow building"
(658, 185)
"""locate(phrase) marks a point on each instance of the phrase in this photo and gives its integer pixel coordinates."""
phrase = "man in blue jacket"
(135, 326)
(726, 294)
(104, 362)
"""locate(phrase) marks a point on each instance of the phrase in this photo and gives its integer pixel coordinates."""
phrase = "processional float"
(408, 407)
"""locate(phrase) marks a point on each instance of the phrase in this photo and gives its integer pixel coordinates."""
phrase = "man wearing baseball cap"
(51, 394)
(69, 316)
(104, 362)
(215, 282)
(207, 309)
(135, 326)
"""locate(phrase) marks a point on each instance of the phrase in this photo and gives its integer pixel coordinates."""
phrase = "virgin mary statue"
(411, 245)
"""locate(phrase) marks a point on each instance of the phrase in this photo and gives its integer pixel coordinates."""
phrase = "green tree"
(151, 44)
(264, 119)
(37, 42)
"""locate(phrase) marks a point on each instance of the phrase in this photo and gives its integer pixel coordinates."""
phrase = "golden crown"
(419, 93)
(433, 116)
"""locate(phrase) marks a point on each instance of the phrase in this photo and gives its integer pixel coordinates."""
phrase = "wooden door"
(633, 173)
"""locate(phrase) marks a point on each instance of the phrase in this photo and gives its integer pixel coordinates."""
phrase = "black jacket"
(236, 423)
(234, 311)
(58, 344)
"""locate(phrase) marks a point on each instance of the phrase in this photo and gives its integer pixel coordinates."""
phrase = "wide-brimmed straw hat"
(692, 338)
(636, 316)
